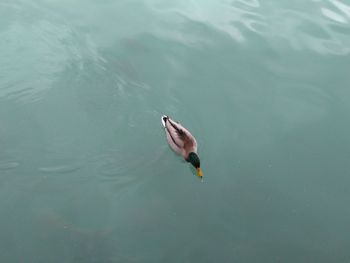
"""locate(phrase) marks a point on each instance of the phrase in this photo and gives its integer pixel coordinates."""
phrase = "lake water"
(86, 174)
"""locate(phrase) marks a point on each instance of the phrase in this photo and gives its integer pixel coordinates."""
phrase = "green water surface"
(86, 174)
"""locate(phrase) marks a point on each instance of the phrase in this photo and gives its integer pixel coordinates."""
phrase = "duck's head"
(194, 160)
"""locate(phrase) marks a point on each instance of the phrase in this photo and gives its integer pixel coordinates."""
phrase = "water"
(85, 171)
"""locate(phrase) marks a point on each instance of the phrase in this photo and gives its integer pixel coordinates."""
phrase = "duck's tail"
(164, 119)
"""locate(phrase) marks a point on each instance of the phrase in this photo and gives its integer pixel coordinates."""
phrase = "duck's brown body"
(179, 138)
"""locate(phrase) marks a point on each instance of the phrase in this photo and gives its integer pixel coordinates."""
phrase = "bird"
(182, 142)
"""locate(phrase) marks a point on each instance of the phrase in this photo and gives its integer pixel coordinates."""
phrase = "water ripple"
(251, 3)
(342, 7)
(9, 165)
(312, 32)
(271, 21)
(333, 15)
(33, 54)
(67, 168)
(39, 57)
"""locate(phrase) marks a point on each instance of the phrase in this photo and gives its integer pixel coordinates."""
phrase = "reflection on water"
(58, 43)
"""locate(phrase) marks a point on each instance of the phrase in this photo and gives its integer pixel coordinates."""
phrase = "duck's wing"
(176, 148)
(180, 136)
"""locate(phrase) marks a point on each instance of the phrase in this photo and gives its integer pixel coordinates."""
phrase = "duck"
(182, 142)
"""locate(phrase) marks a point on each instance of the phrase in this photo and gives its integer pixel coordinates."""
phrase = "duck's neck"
(193, 159)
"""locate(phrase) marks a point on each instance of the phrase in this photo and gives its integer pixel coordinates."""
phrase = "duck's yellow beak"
(199, 172)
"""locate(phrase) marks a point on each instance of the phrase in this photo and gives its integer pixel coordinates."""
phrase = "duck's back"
(179, 138)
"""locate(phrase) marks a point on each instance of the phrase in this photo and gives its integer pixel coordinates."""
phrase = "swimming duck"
(182, 142)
